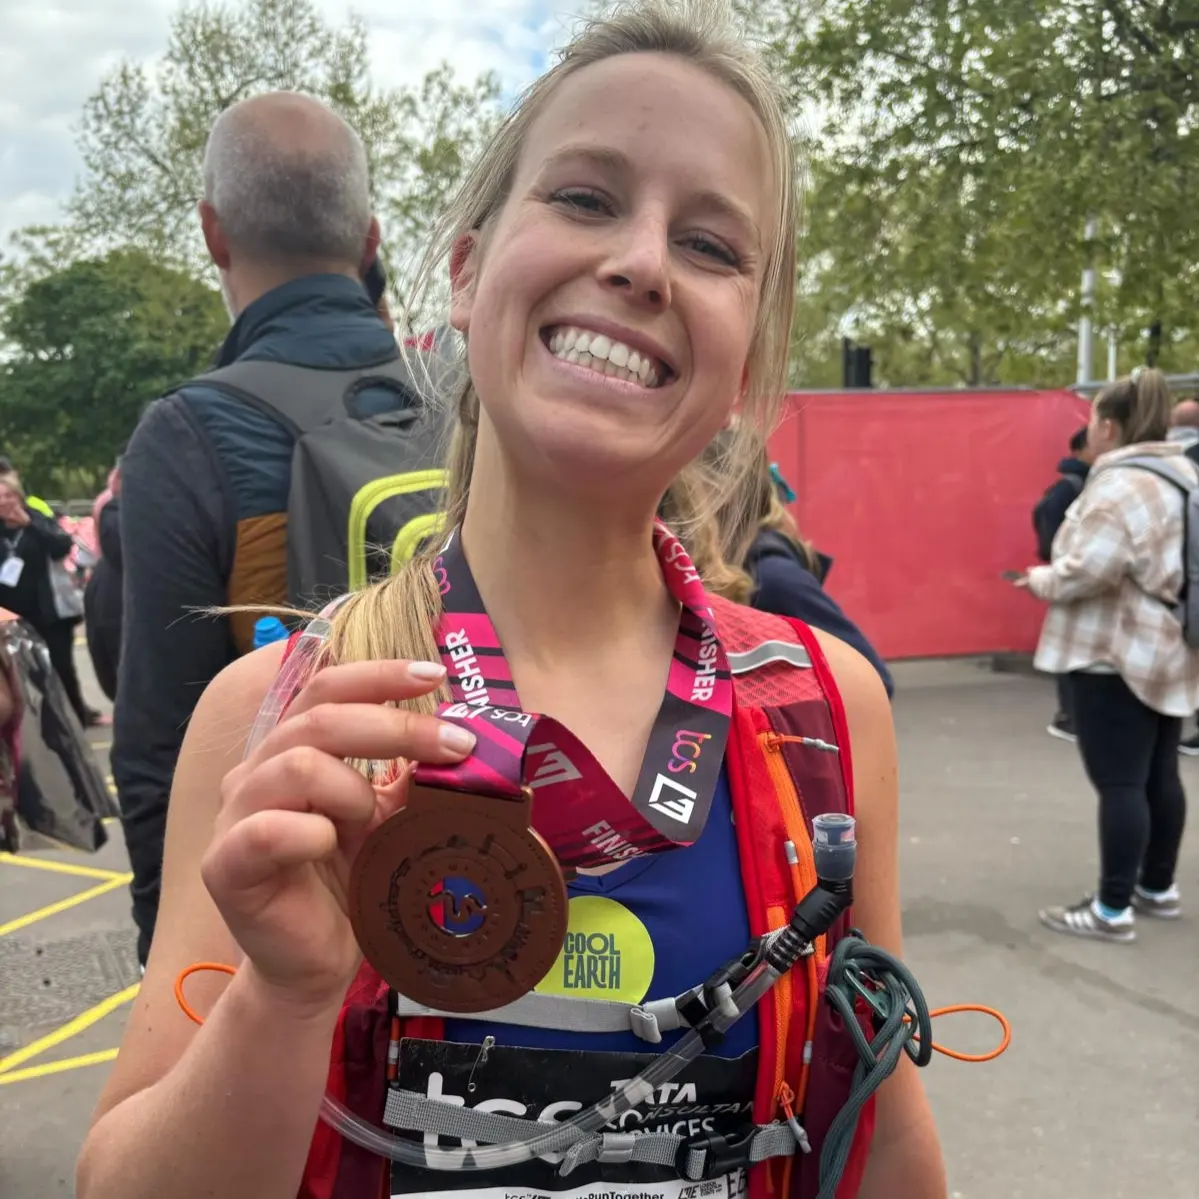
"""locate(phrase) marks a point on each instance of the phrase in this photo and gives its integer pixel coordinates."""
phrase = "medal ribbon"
(581, 813)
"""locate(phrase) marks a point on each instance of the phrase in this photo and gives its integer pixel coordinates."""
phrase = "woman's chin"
(600, 454)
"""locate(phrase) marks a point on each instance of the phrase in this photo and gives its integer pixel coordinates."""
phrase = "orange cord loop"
(971, 1007)
(184, 975)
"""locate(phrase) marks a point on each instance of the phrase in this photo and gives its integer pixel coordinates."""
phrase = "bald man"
(286, 216)
(1184, 427)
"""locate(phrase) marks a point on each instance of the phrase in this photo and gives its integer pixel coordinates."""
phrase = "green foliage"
(101, 314)
(91, 345)
(957, 149)
(143, 132)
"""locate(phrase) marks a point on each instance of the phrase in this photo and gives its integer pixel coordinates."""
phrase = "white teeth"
(605, 356)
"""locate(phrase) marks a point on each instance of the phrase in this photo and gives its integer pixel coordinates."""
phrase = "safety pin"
(486, 1047)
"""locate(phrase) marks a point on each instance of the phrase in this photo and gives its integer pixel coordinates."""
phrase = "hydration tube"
(755, 974)
(291, 677)
(834, 850)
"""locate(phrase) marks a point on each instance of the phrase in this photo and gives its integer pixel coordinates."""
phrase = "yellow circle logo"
(607, 954)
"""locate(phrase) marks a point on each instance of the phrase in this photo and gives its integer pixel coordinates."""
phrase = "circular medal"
(457, 903)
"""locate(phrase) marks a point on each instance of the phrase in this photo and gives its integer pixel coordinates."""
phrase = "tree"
(91, 345)
(142, 134)
(959, 149)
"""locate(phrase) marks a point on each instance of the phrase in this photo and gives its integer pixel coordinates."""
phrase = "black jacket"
(37, 544)
(785, 585)
(1051, 509)
(204, 487)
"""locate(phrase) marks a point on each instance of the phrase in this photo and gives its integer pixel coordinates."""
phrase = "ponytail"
(1141, 405)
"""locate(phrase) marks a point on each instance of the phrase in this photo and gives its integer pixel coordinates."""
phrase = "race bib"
(10, 572)
(712, 1095)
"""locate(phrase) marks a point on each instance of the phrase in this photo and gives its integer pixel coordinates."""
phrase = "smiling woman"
(621, 263)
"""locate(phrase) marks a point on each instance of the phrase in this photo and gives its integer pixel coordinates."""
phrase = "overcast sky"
(53, 53)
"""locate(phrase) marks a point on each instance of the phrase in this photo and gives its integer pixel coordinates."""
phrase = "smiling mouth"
(605, 356)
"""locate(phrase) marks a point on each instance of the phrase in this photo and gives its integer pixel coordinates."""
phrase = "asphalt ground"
(1098, 1095)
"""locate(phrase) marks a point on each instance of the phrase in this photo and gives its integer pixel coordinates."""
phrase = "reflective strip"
(768, 652)
(646, 1020)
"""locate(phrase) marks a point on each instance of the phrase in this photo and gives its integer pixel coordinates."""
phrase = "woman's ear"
(464, 262)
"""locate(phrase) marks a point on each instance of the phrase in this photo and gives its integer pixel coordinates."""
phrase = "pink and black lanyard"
(577, 808)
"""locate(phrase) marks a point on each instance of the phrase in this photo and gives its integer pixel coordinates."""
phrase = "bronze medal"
(457, 903)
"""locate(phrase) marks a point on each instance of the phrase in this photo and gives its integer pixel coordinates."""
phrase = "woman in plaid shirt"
(1112, 586)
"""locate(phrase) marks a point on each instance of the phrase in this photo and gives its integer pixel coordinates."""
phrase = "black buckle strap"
(722, 1155)
(695, 1006)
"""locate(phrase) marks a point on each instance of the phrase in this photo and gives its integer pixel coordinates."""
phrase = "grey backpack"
(366, 487)
(1187, 605)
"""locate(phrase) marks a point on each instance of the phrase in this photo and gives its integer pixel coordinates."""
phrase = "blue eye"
(712, 249)
(581, 200)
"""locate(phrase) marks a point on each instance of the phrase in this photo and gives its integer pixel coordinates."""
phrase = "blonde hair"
(397, 616)
(729, 530)
(1141, 405)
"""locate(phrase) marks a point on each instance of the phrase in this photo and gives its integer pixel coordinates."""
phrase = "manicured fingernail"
(456, 739)
(427, 672)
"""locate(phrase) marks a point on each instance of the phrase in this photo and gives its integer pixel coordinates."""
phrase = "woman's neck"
(566, 579)
(563, 584)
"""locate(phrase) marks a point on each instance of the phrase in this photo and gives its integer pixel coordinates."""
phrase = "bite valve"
(834, 851)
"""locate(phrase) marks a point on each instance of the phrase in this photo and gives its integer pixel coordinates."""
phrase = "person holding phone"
(29, 544)
(1112, 587)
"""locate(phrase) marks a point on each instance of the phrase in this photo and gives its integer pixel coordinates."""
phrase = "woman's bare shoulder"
(858, 683)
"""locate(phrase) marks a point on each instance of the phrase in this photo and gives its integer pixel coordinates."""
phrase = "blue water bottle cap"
(267, 630)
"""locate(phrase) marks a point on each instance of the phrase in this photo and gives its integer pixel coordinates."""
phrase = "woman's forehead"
(658, 112)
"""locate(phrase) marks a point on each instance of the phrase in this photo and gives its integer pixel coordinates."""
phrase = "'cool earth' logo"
(607, 954)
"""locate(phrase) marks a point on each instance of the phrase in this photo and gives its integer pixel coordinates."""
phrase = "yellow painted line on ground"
(15, 859)
(70, 1063)
(72, 1028)
(64, 905)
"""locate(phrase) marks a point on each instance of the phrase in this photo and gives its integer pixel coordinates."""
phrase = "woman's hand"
(294, 814)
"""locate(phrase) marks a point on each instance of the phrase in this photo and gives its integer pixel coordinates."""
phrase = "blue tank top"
(650, 929)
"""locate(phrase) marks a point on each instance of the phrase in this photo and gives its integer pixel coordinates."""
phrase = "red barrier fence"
(923, 500)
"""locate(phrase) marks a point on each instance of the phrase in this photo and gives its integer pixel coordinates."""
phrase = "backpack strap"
(1163, 470)
(300, 397)
(764, 652)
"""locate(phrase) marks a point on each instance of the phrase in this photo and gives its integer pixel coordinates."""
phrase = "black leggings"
(60, 641)
(1131, 757)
